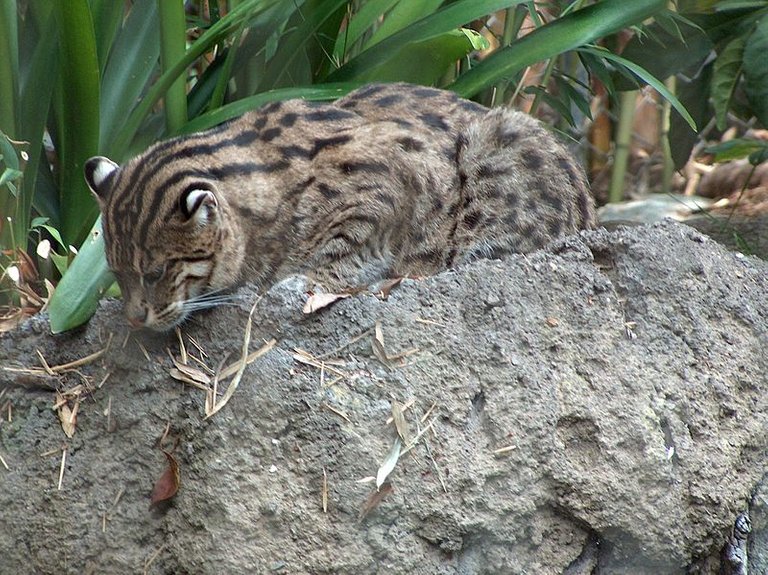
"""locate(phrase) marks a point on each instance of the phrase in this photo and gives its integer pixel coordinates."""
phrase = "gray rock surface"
(601, 407)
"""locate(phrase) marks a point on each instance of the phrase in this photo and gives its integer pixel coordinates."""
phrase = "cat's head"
(162, 229)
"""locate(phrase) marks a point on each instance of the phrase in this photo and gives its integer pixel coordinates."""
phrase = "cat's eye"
(153, 276)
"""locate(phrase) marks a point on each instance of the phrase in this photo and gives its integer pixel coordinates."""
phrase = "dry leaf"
(377, 344)
(320, 300)
(168, 483)
(374, 499)
(389, 463)
(325, 491)
(192, 373)
(10, 318)
(552, 321)
(26, 266)
(400, 424)
(179, 376)
(67, 415)
(387, 286)
(211, 407)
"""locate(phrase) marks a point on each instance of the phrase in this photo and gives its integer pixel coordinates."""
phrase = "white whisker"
(207, 300)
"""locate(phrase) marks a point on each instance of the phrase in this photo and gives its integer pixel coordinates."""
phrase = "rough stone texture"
(624, 372)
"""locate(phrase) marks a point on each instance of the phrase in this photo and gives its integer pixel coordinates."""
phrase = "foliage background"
(85, 77)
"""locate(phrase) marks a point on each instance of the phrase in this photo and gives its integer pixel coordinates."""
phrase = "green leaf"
(570, 94)
(9, 67)
(402, 15)
(663, 53)
(721, 27)
(78, 121)
(443, 21)
(476, 40)
(245, 11)
(240, 107)
(173, 39)
(39, 75)
(368, 15)
(599, 69)
(647, 78)
(725, 78)
(758, 157)
(736, 149)
(694, 95)
(291, 58)
(575, 29)
(54, 234)
(107, 17)
(78, 293)
(560, 105)
(756, 70)
(8, 153)
(422, 62)
(132, 62)
(727, 5)
(8, 176)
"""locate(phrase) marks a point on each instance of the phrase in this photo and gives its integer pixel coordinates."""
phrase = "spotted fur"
(390, 180)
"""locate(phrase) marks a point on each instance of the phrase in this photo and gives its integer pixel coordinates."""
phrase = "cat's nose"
(137, 318)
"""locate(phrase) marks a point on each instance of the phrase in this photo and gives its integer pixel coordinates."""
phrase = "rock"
(600, 405)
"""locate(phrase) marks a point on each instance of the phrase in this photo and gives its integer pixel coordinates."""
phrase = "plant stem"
(513, 21)
(627, 102)
(669, 163)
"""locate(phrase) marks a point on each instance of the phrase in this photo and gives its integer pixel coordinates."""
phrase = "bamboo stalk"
(627, 101)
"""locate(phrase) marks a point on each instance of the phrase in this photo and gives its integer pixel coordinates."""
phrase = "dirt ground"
(598, 407)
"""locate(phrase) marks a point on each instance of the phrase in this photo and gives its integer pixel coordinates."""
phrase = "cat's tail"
(518, 184)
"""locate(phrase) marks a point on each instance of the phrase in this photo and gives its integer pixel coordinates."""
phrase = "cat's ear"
(97, 171)
(198, 203)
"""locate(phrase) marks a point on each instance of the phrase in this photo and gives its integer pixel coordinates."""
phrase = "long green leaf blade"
(401, 16)
(37, 84)
(408, 63)
(131, 64)
(725, 78)
(756, 70)
(243, 12)
(79, 122)
(294, 45)
(107, 17)
(441, 22)
(9, 67)
(370, 13)
(173, 37)
(647, 78)
(578, 28)
(240, 107)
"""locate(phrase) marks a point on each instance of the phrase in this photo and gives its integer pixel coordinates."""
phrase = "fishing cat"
(390, 180)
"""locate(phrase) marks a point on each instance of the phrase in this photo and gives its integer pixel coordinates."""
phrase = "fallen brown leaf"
(186, 372)
(168, 483)
(67, 415)
(318, 301)
(376, 497)
(387, 286)
(377, 345)
(400, 424)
